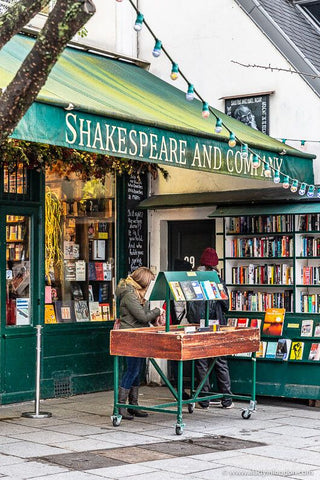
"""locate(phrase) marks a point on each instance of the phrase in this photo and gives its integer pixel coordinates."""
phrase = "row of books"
(98, 292)
(99, 271)
(310, 246)
(309, 222)
(15, 232)
(250, 301)
(286, 349)
(272, 274)
(15, 251)
(261, 224)
(195, 290)
(75, 270)
(76, 311)
(310, 275)
(262, 247)
(310, 303)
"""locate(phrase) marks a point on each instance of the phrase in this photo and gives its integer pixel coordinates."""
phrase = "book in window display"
(95, 312)
(76, 291)
(80, 271)
(81, 311)
(64, 311)
(49, 313)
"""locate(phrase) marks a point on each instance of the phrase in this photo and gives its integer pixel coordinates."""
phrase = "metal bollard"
(37, 413)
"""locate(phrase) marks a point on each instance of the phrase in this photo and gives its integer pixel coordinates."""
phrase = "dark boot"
(133, 400)
(123, 395)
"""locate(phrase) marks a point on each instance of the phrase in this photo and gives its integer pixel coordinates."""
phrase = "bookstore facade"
(67, 241)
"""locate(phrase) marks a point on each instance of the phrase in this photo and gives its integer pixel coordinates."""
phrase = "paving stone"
(133, 454)
(82, 461)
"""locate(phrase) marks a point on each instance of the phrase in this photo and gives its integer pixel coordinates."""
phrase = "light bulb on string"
(255, 161)
(276, 176)
(218, 127)
(302, 189)
(205, 110)
(310, 192)
(232, 140)
(294, 186)
(286, 182)
(190, 93)
(139, 21)
(174, 71)
(267, 170)
(244, 151)
(156, 52)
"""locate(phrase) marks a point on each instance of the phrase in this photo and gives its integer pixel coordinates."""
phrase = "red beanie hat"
(209, 257)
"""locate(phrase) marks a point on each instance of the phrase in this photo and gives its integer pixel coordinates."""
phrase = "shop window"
(15, 182)
(79, 266)
(18, 308)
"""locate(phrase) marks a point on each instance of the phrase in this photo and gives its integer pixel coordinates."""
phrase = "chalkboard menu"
(137, 223)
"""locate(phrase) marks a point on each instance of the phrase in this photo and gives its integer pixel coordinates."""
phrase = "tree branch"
(65, 20)
(17, 16)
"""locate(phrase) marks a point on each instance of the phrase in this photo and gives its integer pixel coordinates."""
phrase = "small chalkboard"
(137, 223)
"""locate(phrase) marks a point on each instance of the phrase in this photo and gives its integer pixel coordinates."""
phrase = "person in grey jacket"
(217, 309)
(134, 313)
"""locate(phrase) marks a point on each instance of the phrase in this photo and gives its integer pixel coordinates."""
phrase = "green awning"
(269, 209)
(123, 110)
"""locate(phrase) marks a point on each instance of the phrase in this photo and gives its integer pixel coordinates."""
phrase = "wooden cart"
(172, 343)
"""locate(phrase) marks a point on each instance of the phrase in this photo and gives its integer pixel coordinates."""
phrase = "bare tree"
(64, 21)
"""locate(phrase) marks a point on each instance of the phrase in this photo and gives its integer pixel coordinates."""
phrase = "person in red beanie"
(217, 308)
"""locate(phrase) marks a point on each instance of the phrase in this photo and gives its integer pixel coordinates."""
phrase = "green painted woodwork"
(269, 209)
(124, 110)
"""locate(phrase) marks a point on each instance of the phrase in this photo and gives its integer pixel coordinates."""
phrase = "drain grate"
(62, 386)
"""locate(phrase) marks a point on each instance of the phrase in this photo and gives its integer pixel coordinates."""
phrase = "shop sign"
(148, 143)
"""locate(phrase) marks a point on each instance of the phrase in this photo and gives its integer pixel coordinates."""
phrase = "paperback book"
(271, 349)
(95, 312)
(215, 290)
(197, 290)
(81, 311)
(242, 322)
(176, 291)
(316, 330)
(306, 328)
(188, 290)
(207, 290)
(262, 350)
(296, 352)
(273, 321)
(283, 348)
(49, 314)
(64, 311)
(314, 353)
(232, 322)
(222, 292)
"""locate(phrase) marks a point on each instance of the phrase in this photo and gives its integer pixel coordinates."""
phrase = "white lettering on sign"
(163, 148)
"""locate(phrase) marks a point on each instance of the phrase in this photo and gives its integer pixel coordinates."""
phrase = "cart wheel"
(116, 421)
(245, 414)
(191, 407)
(179, 430)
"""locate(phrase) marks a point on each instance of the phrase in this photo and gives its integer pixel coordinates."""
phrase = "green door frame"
(15, 336)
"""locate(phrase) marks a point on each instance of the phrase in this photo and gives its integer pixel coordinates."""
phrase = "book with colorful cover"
(262, 350)
(95, 312)
(314, 353)
(223, 294)
(197, 290)
(81, 311)
(316, 332)
(176, 291)
(188, 290)
(255, 323)
(273, 321)
(215, 290)
(49, 313)
(306, 328)
(283, 348)
(271, 349)
(232, 322)
(99, 270)
(296, 352)
(64, 311)
(207, 290)
(105, 311)
(242, 322)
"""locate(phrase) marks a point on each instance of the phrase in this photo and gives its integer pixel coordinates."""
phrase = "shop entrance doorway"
(187, 239)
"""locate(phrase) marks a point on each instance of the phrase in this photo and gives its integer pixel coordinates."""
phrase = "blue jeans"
(131, 377)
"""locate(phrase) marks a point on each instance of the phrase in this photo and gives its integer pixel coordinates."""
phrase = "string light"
(205, 110)
(302, 189)
(232, 140)
(294, 186)
(255, 161)
(218, 127)
(286, 182)
(190, 93)
(276, 177)
(310, 192)
(267, 170)
(156, 52)
(174, 71)
(139, 21)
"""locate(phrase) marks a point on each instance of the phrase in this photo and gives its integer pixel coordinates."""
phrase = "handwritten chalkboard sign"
(137, 223)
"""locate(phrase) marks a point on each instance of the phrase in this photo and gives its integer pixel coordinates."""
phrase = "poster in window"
(252, 111)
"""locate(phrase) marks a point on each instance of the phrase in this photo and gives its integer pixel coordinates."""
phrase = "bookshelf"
(273, 260)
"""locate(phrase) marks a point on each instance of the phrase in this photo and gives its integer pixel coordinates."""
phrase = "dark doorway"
(187, 239)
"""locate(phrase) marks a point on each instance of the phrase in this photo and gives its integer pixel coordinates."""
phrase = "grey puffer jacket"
(132, 313)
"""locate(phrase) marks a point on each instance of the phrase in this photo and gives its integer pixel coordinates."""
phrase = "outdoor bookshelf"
(272, 259)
